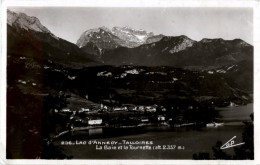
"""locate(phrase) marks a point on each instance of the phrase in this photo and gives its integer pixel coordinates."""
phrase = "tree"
(242, 152)
(50, 120)
(246, 151)
(219, 153)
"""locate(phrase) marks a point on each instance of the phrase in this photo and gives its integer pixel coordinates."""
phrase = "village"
(127, 116)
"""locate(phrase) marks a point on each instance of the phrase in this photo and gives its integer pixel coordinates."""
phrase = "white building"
(161, 118)
(84, 110)
(120, 108)
(94, 121)
(144, 120)
(65, 110)
(150, 109)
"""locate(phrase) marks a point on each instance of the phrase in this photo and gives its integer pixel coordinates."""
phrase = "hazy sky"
(196, 23)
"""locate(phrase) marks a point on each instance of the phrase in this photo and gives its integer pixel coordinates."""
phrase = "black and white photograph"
(131, 83)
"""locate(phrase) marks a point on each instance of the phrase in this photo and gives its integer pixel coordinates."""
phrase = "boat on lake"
(214, 124)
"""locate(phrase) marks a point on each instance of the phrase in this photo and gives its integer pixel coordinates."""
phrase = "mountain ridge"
(156, 50)
(128, 46)
(181, 51)
(26, 22)
(115, 37)
(27, 37)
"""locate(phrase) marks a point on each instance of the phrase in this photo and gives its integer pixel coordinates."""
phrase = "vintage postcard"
(139, 82)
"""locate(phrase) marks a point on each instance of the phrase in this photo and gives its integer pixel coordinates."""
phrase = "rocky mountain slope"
(22, 21)
(97, 41)
(28, 38)
(182, 51)
(131, 36)
(127, 46)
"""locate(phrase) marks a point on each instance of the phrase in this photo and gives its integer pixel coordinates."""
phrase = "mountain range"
(122, 46)
(28, 38)
(126, 46)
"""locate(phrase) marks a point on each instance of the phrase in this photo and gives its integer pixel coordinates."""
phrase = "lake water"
(190, 140)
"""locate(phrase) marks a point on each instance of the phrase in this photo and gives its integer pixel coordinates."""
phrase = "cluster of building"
(91, 121)
(126, 107)
(141, 108)
(88, 117)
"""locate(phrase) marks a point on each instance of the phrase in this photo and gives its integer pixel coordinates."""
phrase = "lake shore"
(204, 137)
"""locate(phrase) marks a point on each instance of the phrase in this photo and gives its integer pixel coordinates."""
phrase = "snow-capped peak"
(106, 38)
(130, 34)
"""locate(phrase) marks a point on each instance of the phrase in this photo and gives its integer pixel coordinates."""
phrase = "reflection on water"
(235, 115)
(96, 131)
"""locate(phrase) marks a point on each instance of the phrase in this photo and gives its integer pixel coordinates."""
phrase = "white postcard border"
(131, 3)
